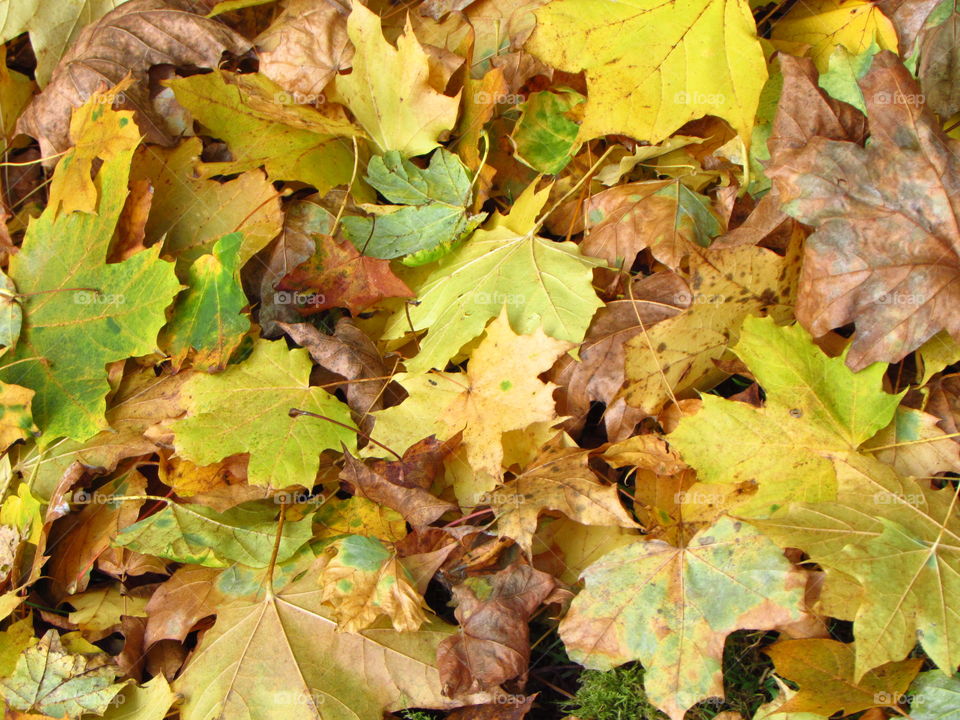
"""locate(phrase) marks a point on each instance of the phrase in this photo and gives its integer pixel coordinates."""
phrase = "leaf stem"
(297, 412)
(911, 442)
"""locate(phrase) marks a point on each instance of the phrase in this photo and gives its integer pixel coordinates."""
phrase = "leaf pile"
(480, 359)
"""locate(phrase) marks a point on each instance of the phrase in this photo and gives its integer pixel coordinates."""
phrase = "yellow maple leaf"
(652, 66)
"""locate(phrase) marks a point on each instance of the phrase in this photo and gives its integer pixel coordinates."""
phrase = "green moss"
(613, 695)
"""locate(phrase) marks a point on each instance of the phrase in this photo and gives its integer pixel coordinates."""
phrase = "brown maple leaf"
(339, 276)
(886, 253)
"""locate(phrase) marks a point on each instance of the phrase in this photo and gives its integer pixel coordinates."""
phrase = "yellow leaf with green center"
(74, 299)
(543, 284)
(817, 412)
(388, 90)
(364, 581)
(207, 320)
(825, 24)
(671, 608)
(652, 66)
(246, 409)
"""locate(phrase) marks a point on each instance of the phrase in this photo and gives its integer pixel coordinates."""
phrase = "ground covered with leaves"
(480, 359)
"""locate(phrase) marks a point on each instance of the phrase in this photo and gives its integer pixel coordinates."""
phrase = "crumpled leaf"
(404, 484)
(544, 284)
(52, 681)
(885, 253)
(246, 409)
(560, 480)
(817, 414)
(492, 643)
(175, 607)
(306, 46)
(283, 651)
(337, 275)
(434, 217)
(197, 535)
(651, 66)
(129, 40)
(114, 310)
(207, 322)
(545, 136)
(389, 90)
(823, 669)
(16, 422)
(290, 141)
(364, 581)
(671, 608)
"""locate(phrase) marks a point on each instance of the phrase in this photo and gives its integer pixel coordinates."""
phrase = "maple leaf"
(679, 353)
(542, 283)
(901, 541)
(558, 479)
(283, 650)
(940, 695)
(190, 213)
(389, 89)
(52, 681)
(197, 535)
(824, 24)
(207, 321)
(434, 214)
(499, 392)
(403, 485)
(671, 608)
(364, 581)
(115, 310)
(339, 276)
(885, 254)
(291, 142)
(131, 39)
(229, 413)
(492, 643)
(817, 413)
(651, 66)
(824, 671)
(545, 136)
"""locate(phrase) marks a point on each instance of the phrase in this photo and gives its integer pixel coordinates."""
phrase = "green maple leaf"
(81, 313)
(545, 137)
(435, 214)
(52, 681)
(671, 608)
(542, 283)
(817, 413)
(197, 535)
(207, 318)
(245, 409)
